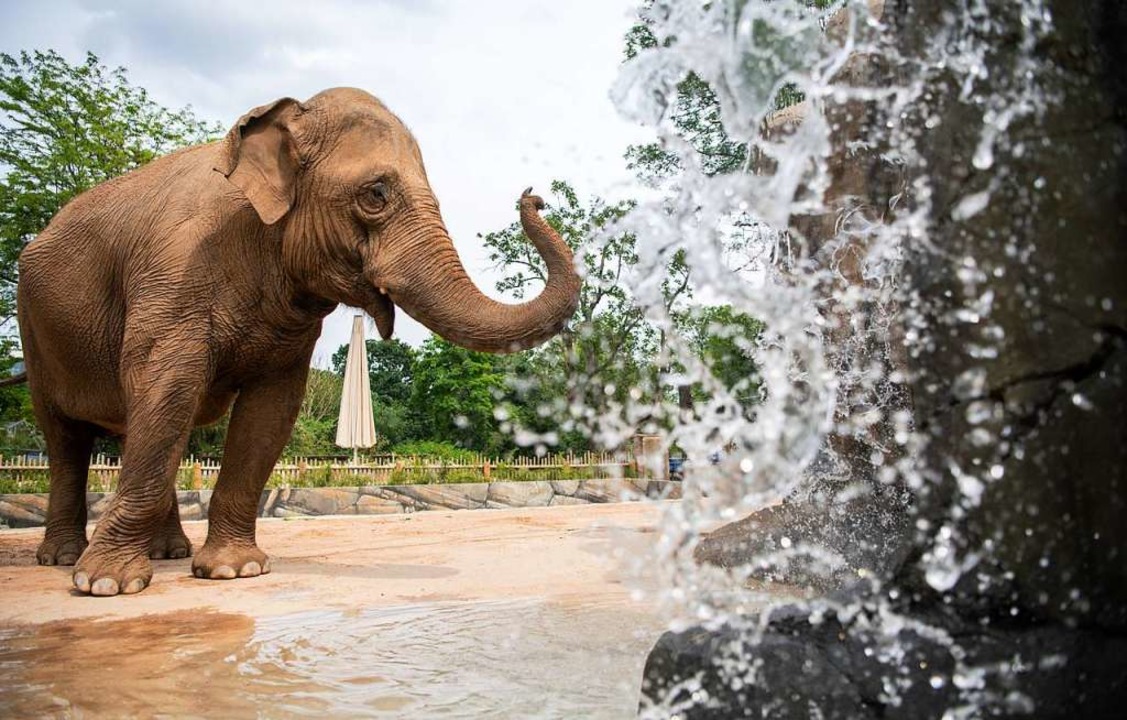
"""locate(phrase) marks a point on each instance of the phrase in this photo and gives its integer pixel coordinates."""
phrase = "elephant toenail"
(46, 560)
(66, 560)
(251, 569)
(157, 555)
(135, 585)
(198, 572)
(104, 586)
(223, 572)
(178, 553)
(266, 566)
(82, 581)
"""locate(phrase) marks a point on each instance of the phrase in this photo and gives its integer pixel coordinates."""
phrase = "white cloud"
(500, 95)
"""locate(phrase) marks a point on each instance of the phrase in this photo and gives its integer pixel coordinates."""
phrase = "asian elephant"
(153, 302)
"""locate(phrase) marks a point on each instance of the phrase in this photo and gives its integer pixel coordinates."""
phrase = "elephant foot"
(170, 544)
(226, 562)
(61, 549)
(819, 545)
(112, 571)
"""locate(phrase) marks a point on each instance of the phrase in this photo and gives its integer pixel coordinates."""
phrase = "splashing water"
(834, 198)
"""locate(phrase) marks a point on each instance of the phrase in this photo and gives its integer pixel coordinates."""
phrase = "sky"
(501, 95)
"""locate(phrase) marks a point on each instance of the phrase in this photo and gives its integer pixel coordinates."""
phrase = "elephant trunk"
(438, 292)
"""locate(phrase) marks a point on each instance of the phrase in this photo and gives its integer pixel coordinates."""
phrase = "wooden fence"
(31, 474)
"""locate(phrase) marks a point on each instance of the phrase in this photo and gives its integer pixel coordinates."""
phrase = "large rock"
(1012, 579)
(461, 496)
(805, 666)
(23, 510)
(320, 501)
(530, 493)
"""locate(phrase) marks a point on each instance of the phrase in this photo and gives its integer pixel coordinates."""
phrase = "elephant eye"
(375, 197)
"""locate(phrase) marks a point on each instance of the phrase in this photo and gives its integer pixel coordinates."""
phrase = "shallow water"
(514, 658)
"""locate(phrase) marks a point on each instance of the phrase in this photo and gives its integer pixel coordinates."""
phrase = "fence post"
(485, 469)
(197, 476)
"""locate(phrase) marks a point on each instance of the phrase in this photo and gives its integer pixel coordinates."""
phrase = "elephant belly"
(212, 407)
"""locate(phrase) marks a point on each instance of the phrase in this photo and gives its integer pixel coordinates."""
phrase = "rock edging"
(30, 510)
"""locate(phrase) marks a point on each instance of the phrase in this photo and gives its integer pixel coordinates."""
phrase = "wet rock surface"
(1007, 595)
(816, 665)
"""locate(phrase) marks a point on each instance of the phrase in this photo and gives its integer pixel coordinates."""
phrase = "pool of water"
(510, 658)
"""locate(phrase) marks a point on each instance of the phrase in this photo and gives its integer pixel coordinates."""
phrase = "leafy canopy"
(65, 128)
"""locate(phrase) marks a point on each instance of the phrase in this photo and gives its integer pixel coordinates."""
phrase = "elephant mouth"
(382, 310)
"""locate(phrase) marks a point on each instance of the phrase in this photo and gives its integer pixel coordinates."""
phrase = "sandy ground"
(346, 562)
(468, 614)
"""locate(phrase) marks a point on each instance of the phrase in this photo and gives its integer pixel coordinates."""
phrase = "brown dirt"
(551, 553)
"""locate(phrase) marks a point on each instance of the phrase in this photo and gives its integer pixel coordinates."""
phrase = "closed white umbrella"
(355, 427)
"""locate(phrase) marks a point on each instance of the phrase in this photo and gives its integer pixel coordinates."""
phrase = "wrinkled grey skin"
(155, 301)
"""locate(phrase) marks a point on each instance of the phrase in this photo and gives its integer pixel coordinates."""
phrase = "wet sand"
(455, 614)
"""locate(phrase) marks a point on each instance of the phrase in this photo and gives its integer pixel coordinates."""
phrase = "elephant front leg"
(159, 421)
(260, 425)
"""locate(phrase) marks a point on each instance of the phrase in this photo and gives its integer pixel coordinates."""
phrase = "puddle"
(518, 658)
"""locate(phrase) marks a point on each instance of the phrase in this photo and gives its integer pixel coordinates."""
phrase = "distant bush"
(457, 466)
(437, 450)
(27, 481)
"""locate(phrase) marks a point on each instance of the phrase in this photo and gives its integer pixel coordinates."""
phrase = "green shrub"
(28, 481)
(464, 475)
(435, 450)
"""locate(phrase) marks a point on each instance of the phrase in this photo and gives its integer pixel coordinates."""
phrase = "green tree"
(18, 431)
(695, 113)
(455, 394)
(65, 128)
(391, 369)
(314, 432)
(725, 341)
(606, 355)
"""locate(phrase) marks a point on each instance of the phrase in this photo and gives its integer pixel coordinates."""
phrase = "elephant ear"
(259, 157)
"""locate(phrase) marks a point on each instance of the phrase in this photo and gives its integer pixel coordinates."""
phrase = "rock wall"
(30, 510)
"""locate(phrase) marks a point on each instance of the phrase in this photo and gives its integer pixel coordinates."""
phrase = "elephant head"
(340, 180)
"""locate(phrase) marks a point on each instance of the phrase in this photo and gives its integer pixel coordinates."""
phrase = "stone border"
(30, 510)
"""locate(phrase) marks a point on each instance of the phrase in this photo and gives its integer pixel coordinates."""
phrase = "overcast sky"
(500, 94)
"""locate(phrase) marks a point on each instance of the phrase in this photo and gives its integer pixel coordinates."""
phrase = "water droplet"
(970, 205)
(970, 383)
(937, 681)
(979, 411)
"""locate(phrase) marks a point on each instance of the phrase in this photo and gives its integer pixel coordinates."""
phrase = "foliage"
(606, 352)
(314, 432)
(454, 394)
(725, 340)
(207, 441)
(391, 365)
(435, 449)
(695, 114)
(18, 432)
(28, 481)
(65, 128)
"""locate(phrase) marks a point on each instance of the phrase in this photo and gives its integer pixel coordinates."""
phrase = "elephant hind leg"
(169, 541)
(69, 443)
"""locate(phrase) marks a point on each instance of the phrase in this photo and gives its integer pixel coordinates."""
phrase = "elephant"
(198, 283)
